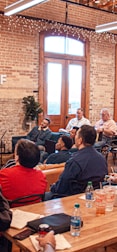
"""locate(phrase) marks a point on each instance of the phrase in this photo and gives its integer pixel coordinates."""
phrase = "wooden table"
(96, 232)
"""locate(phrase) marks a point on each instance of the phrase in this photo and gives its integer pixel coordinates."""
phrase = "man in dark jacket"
(40, 133)
(85, 165)
(63, 147)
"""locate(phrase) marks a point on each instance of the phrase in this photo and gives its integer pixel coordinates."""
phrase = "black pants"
(5, 245)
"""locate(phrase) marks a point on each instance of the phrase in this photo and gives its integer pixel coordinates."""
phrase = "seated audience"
(85, 165)
(106, 127)
(40, 133)
(21, 179)
(48, 242)
(78, 121)
(63, 147)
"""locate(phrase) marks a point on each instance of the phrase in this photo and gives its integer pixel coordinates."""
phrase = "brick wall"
(19, 60)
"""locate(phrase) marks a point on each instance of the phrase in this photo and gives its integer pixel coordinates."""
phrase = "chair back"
(26, 200)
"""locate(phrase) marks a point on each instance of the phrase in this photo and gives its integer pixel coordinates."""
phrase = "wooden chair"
(52, 175)
(25, 200)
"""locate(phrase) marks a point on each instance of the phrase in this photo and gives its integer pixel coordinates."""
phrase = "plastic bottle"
(75, 221)
(89, 196)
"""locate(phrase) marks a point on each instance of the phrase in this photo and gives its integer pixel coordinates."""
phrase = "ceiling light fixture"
(20, 6)
(106, 27)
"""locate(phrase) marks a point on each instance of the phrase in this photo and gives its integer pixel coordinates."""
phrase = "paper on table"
(82, 197)
(20, 218)
(61, 242)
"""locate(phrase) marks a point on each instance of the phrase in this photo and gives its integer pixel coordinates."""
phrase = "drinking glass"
(100, 201)
(110, 197)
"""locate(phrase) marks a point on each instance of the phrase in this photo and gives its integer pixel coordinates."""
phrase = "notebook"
(50, 146)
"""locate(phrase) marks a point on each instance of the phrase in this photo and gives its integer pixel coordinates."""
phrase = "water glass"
(110, 197)
(100, 201)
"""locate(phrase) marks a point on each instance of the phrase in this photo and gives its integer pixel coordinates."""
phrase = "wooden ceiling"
(107, 5)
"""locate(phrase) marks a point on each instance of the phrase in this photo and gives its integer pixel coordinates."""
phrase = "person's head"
(64, 143)
(79, 113)
(27, 153)
(105, 114)
(85, 136)
(73, 132)
(45, 123)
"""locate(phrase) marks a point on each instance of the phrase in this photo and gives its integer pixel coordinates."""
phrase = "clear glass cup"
(100, 201)
(110, 197)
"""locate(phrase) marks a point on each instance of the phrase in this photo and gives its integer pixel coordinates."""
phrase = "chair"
(105, 149)
(113, 148)
(25, 200)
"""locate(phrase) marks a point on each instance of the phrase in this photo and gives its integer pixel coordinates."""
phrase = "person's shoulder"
(87, 120)
(9, 170)
(35, 128)
(113, 121)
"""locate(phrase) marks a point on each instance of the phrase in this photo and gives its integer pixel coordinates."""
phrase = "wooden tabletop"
(96, 232)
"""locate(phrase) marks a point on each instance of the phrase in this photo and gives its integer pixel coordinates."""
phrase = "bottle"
(89, 196)
(75, 221)
(43, 229)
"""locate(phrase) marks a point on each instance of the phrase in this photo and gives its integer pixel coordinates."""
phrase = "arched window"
(63, 78)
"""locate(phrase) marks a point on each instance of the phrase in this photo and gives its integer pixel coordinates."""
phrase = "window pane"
(54, 44)
(75, 82)
(54, 82)
(63, 45)
(74, 47)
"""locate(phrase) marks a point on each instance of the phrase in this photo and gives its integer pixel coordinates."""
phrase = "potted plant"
(31, 109)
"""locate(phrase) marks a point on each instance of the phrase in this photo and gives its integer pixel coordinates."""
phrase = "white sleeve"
(49, 248)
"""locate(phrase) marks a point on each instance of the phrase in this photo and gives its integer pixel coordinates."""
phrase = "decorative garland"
(32, 26)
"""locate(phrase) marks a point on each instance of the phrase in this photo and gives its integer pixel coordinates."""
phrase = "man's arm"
(48, 242)
(69, 126)
(32, 135)
(46, 135)
(62, 186)
(5, 214)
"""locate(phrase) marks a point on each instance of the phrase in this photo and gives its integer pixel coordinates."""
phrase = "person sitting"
(85, 165)
(48, 242)
(63, 147)
(21, 179)
(5, 221)
(40, 133)
(72, 136)
(78, 121)
(106, 127)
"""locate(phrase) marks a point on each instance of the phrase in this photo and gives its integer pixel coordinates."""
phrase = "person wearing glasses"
(105, 127)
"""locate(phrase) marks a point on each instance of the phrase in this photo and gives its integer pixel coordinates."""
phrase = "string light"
(32, 26)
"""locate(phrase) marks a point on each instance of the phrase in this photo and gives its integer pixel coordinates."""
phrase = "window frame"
(43, 55)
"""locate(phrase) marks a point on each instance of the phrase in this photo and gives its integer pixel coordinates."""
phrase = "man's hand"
(47, 239)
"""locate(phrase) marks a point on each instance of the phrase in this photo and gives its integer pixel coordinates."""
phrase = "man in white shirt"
(105, 126)
(78, 121)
